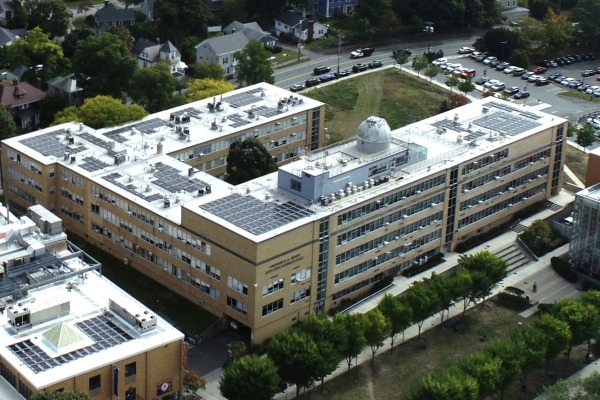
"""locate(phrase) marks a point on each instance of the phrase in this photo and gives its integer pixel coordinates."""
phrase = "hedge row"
(563, 268)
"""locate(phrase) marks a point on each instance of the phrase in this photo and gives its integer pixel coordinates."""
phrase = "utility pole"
(339, 50)
(428, 29)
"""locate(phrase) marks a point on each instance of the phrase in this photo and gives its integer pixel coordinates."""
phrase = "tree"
(431, 71)
(199, 89)
(574, 389)
(558, 31)
(108, 51)
(488, 263)
(503, 42)
(423, 303)
(511, 356)
(538, 236)
(462, 285)
(485, 369)
(69, 44)
(519, 58)
(326, 334)
(153, 87)
(353, 338)
(253, 64)
(419, 63)
(205, 70)
(248, 160)
(465, 86)
(538, 8)
(397, 313)
(376, 329)
(8, 128)
(84, 7)
(124, 35)
(192, 382)
(448, 385)
(557, 335)
(42, 56)
(585, 14)
(533, 348)
(235, 10)
(249, 378)
(443, 287)
(100, 112)
(179, 19)
(452, 81)
(52, 104)
(585, 135)
(59, 396)
(296, 356)
(51, 16)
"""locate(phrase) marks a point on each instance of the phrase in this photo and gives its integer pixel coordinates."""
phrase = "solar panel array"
(265, 111)
(170, 179)
(100, 329)
(192, 112)
(243, 99)
(150, 126)
(112, 178)
(253, 215)
(48, 145)
(504, 122)
(95, 140)
(237, 120)
(92, 164)
(448, 124)
(510, 108)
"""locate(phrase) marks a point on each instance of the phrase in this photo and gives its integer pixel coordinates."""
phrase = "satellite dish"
(164, 387)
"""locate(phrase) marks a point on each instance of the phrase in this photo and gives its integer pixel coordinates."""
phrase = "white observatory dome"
(373, 135)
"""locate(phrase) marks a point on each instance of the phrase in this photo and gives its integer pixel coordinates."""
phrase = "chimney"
(106, 2)
(303, 12)
(159, 148)
(157, 40)
(311, 28)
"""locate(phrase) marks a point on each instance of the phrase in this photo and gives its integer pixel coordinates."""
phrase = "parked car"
(588, 72)
(596, 93)
(321, 69)
(488, 60)
(476, 54)
(540, 70)
(526, 75)
(402, 52)
(343, 73)
(553, 76)
(359, 68)
(509, 70)
(362, 52)
(552, 64)
(312, 82)
(498, 86)
(511, 90)
(465, 50)
(327, 77)
(533, 78)
(439, 61)
(595, 122)
(501, 66)
(468, 73)
(375, 64)
(541, 81)
(584, 88)
(490, 83)
(481, 57)
(518, 71)
(482, 80)
(296, 88)
(521, 95)
(493, 63)
(591, 89)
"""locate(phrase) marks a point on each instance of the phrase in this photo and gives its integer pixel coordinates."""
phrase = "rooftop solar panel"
(48, 144)
(505, 122)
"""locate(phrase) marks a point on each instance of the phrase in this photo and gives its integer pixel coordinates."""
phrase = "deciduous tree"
(448, 385)
(326, 334)
(423, 302)
(178, 19)
(485, 369)
(585, 135)
(248, 160)
(205, 70)
(431, 71)
(419, 63)
(100, 112)
(397, 313)
(533, 346)
(376, 329)
(199, 89)
(51, 16)
(8, 128)
(192, 382)
(512, 358)
(249, 378)
(557, 334)
(558, 31)
(465, 86)
(253, 64)
(353, 338)
(583, 320)
(154, 87)
(296, 356)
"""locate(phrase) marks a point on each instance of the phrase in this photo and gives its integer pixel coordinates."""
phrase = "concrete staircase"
(514, 256)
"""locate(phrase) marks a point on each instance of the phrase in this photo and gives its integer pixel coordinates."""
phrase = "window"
(272, 307)
(95, 383)
(296, 185)
(237, 305)
(301, 275)
(272, 287)
(130, 394)
(299, 295)
(130, 369)
(237, 285)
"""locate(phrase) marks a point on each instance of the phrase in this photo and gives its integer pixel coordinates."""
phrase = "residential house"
(67, 86)
(331, 8)
(110, 15)
(511, 11)
(148, 53)
(147, 8)
(220, 50)
(22, 100)
(7, 10)
(252, 31)
(8, 36)
(299, 27)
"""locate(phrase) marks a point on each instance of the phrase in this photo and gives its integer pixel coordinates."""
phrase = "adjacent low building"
(322, 229)
(64, 327)
(584, 251)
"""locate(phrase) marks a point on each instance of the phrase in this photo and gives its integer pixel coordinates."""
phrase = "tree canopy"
(51, 16)
(248, 160)
(100, 112)
(205, 70)
(199, 89)
(8, 128)
(154, 88)
(253, 64)
(250, 377)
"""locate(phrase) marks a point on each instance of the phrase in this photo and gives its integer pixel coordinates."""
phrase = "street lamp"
(299, 48)
(429, 29)
(339, 50)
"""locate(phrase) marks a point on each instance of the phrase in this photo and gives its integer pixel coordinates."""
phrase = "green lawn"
(396, 96)
(579, 95)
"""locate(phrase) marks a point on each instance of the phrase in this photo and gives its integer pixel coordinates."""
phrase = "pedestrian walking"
(534, 287)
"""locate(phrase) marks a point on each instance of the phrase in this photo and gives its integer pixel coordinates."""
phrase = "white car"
(595, 122)
(488, 60)
(491, 83)
(566, 81)
(465, 50)
(439, 61)
(509, 70)
(453, 67)
(591, 89)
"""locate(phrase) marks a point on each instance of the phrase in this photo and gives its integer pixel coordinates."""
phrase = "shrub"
(274, 49)
(513, 301)
(563, 268)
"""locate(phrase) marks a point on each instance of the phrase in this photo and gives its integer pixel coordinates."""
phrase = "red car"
(539, 70)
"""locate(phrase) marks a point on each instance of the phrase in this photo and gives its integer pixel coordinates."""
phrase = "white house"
(220, 50)
(511, 11)
(252, 31)
(300, 27)
(148, 53)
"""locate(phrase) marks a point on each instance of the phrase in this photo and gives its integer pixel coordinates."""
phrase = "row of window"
(74, 197)
(24, 178)
(21, 194)
(485, 161)
(365, 209)
(388, 164)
